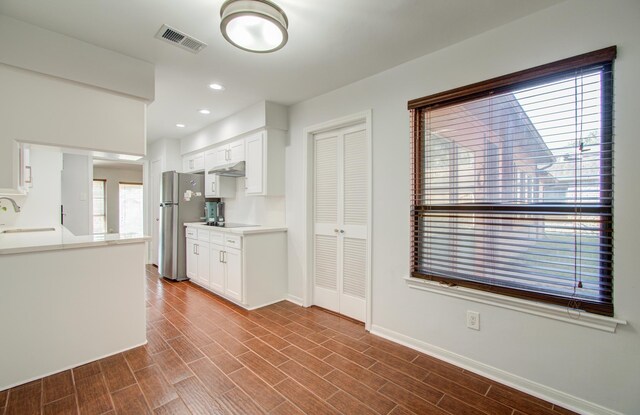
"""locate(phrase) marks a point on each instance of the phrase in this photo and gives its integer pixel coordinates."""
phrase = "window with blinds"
(512, 184)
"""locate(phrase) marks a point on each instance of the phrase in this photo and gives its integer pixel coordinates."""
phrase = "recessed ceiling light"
(204, 111)
(216, 87)
(180, 125)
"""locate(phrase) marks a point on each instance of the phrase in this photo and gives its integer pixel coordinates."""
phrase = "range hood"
(230, 170)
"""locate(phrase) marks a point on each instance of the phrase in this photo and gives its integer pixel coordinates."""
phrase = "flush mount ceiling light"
(216, 87)
(204, 111)
(254, 25)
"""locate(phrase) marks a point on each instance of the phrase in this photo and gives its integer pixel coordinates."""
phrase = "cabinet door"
(198, 162)
(187, 164)
(192, 259)
(254, 168)
(236, 151)
(216, 268)
(220, 156)
(233, 263)
(203, 263)
(211, 185)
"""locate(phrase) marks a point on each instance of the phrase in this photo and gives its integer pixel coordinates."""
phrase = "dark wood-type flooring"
(208, 356)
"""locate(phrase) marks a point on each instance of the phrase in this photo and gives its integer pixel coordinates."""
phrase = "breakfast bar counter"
(66, 300)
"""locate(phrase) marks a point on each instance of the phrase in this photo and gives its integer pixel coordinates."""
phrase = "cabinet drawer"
(203, 235)
(233, 241)
(216, 238)
(192, 233)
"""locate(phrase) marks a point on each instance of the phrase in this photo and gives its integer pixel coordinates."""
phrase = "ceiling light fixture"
(216, 87)
(180, 125)
(254, 25)
(204, 111)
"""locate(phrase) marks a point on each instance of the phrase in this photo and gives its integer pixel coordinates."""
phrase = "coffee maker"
(214, 212)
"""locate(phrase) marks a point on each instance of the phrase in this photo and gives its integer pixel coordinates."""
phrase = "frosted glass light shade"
(254, 25)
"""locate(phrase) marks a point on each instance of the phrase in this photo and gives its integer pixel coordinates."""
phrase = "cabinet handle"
(190, 164)
(224, 256)
(213, 190)
(197, 250)
(341, 230)
(336, 230)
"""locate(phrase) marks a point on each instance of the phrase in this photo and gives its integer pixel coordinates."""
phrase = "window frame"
(104, 205)
(120, 199)
(502, 84)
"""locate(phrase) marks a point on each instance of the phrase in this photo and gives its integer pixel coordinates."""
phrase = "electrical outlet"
(473, 320)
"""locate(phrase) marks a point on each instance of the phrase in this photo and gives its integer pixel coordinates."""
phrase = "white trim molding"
(525, 385)
(567, 315)
(295, 300)
(307, 167)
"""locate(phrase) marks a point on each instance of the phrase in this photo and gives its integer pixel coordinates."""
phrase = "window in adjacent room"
(512, 184)
(131, 208)
(99, 207)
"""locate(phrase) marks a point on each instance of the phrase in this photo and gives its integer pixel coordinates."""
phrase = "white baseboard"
(295, 300)
(527, 386)
(83, 362)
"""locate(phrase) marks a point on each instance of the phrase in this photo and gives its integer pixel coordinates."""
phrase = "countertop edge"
(61, 246)
(239, 231)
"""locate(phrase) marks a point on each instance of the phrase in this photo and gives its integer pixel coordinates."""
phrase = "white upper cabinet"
(228, 154)
(214, 185)
(193, 163)
(265, 163)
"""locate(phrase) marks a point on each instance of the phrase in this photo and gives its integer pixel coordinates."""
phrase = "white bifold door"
(341, 203)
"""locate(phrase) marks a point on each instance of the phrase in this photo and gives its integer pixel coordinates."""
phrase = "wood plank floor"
(207, 356)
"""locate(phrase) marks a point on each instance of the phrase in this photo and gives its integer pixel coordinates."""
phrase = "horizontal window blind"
(512, 184)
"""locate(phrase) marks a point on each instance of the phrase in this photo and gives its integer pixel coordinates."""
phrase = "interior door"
(156, 174)
(340, 220)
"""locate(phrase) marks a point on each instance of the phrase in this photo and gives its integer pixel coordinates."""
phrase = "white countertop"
(60, 238)
(245, 230)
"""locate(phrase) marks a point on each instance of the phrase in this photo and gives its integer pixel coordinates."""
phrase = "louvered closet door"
(341, 214)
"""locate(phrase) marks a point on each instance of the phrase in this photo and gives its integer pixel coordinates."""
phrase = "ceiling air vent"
(182, 40)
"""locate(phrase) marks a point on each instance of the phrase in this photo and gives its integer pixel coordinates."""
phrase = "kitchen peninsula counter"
(60, 238)
(66, 300)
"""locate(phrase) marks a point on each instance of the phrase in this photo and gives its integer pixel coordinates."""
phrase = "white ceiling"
(331, 43)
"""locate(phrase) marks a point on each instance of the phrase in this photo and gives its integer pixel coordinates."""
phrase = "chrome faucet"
(16, 208)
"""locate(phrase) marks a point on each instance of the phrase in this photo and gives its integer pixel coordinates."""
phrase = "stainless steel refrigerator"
(182, 200)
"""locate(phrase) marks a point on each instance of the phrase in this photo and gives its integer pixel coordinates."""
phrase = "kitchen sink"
(24, 230)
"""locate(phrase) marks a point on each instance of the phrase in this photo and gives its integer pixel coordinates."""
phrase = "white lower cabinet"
(233, 265)
(202, 252)
(250, 270)
(216, 268)
(192, 258)
(198, 261)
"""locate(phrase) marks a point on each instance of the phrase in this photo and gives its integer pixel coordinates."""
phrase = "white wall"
(113, 177)
(254, 210)
(260, 115)
(77, 192)
(39, 109)
(41, 50)
(41, 208)
(590, 365)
